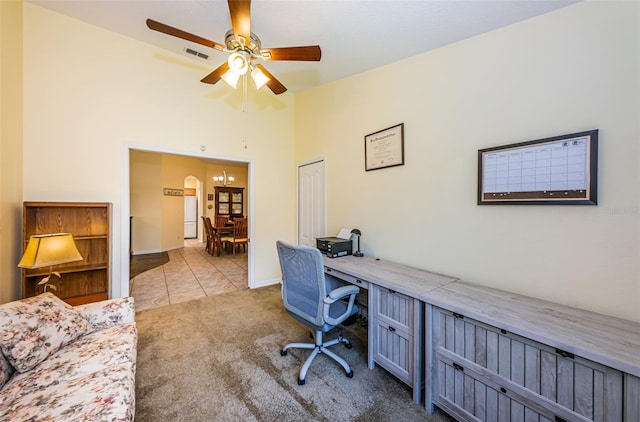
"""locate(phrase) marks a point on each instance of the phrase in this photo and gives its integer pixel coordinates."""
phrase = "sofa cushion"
(89, 353)
(6, 370)
(32, 329)
(105, 395)
(108, 313)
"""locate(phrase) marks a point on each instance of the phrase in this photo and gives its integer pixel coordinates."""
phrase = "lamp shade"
(231, 78)
(49, 249)
(259, 78)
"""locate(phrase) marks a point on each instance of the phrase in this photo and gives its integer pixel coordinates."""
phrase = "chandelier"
(223, 180)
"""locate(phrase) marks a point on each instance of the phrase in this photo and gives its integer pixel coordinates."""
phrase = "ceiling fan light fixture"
(259, 78)
(239, 62)
(231, 78)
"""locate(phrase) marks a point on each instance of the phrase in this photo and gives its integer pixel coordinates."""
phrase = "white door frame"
(126, 206)
(324, 193)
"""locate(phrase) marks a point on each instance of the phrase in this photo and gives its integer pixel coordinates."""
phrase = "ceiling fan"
(244, 48)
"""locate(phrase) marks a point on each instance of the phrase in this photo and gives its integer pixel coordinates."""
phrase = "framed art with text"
(384, 148)
(561, 170)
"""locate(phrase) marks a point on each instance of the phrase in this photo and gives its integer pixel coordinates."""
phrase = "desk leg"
(371, 327)
(428, 355)
(418, 355)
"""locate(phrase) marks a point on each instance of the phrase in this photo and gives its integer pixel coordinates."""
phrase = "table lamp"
(47, 250)
(357, 233)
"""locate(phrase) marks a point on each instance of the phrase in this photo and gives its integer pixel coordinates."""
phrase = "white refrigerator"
(190, 217)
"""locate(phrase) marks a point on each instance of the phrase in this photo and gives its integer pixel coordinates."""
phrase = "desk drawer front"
(393, 351)
(468, 397)
(348, 278)
(394, 308)
(537, 372)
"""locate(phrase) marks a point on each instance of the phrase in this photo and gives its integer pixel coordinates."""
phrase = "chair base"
(317, 348)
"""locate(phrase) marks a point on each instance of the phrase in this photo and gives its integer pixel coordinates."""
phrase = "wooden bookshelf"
(90, 224)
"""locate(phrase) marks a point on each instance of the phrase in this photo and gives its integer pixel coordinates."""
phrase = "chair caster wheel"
(348, 345)
(349, 374)
(283, 353)
(301, 382)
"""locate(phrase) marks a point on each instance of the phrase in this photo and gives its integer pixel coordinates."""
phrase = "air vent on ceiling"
(197, 53)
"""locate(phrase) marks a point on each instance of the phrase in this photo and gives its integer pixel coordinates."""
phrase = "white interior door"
(312, 221)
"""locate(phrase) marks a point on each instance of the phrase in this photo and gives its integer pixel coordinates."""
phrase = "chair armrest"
(334, 296)
(341, 292)
(108, 313)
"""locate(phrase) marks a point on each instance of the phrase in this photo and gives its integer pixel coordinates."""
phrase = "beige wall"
(145, 175)
(571, 70)
(103, 94)
(10, 148)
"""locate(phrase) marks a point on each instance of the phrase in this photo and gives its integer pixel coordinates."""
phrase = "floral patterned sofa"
(64, 363)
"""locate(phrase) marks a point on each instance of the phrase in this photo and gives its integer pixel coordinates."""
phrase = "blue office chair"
(311, 298)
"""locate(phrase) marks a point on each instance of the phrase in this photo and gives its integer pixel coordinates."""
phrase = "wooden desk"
(528, 359)
(396, 313)
(487, 354)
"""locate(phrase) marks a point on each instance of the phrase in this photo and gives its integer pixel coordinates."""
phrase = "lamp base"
(358, 254)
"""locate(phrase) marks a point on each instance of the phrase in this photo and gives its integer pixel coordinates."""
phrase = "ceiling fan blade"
(216, 75)
(310, 53)
(170, 30)
(273, 84)
(240, 11)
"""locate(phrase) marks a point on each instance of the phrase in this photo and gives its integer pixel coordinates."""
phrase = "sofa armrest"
(108, 313)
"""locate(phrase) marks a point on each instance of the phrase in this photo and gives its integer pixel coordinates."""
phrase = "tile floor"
(191, 273)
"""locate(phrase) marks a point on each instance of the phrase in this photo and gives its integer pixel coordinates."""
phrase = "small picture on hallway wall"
(173, 192)
(384, 148)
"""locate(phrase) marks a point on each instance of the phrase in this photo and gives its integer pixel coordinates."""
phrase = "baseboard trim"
(265, 283)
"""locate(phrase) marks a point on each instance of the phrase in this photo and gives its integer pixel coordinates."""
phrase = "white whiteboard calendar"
(561, 169)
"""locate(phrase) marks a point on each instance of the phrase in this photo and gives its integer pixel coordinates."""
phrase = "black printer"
(334, 246)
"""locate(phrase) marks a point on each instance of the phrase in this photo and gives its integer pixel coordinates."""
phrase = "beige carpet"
(218, 359)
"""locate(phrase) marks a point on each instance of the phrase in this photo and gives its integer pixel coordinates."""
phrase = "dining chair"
(221, 221)
(238, 236)
(211, 235)
(221, 228)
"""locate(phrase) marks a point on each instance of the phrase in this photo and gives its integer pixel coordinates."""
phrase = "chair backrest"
(208, 227)
(240, 228)
(221, 220)
(303, 281)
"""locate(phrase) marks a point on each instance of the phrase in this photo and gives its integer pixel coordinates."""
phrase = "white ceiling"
(354, 35)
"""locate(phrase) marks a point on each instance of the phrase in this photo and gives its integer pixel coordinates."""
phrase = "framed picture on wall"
(384, 148)
(561, 170)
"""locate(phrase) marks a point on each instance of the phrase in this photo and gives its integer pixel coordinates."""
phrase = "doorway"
(192, 199)
(126, 230)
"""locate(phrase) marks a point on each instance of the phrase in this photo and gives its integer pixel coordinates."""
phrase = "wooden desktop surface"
(410, 281)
